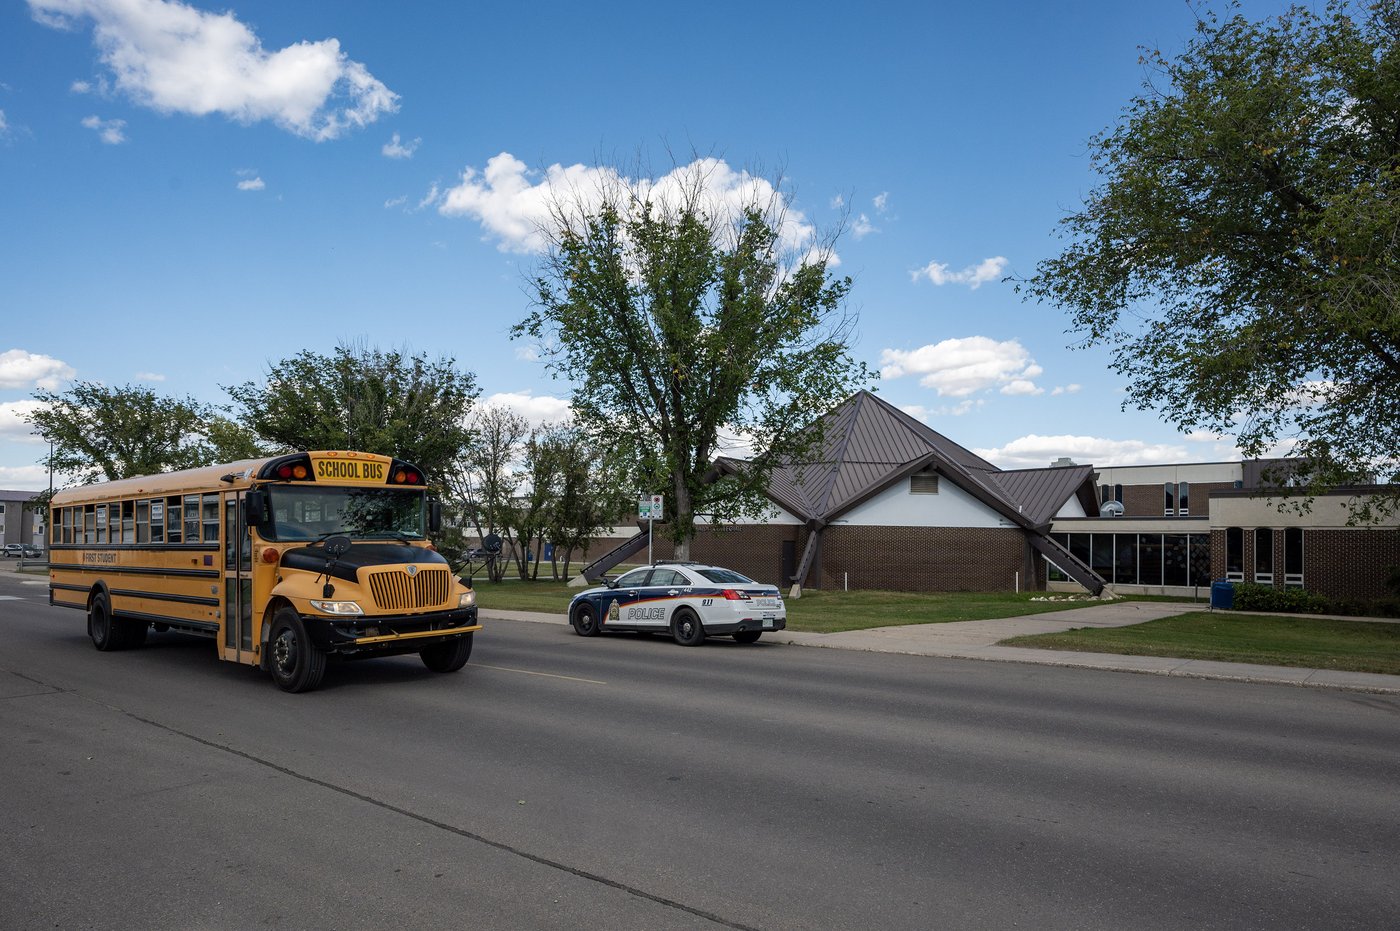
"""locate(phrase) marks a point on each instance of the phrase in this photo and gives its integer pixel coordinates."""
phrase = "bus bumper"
(388, 635)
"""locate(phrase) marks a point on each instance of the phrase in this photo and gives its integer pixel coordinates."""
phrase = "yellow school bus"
(282, 561)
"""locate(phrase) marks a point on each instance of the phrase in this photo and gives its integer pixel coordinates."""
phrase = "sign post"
(649, 508)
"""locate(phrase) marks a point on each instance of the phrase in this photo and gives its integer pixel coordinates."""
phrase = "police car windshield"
(723, 575)
(307, 513)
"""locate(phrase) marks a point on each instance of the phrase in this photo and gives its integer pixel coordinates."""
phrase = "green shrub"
(1253, 597)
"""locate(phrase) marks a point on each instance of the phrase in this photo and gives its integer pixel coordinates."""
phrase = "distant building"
(889, 503)
(20, 524)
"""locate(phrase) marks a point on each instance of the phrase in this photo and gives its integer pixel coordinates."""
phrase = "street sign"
(649, 507)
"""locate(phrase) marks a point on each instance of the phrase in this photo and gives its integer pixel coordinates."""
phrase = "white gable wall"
(1071, 508)
(897, 507)
(776, 515)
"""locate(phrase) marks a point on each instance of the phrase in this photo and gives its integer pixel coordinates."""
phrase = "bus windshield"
(307, 513)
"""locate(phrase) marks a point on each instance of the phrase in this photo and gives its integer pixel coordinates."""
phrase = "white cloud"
(149, 376)
(1071, 388)
(430, 198)
(396, 149)
(4, 126)
(838, 202)
(537, 409)
(251, 184)
(111, 132)
(21, 369)
(1021, 386)
(25, 478)
(13, 427)
(974, 276)
(863, 227)
(880, 201)
(1034, 451)
(965, 406)
(396, 202)
(174, 58)
(527, 353)
(513, 203)
(961, 367)
(80, 87)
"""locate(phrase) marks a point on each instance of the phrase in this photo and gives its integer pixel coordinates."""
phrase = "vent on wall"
(923, 483)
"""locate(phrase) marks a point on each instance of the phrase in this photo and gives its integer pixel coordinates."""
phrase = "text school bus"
(281, 561)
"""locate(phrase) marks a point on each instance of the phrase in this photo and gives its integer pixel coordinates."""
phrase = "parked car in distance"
(690, 601)
(14, 550)
(33, 552)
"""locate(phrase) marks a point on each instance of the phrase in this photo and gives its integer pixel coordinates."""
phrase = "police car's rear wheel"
(585, 621)
(747, 636)
(686, 628)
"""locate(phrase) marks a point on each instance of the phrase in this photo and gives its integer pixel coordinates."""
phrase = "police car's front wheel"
(686, 628)
(585, 621)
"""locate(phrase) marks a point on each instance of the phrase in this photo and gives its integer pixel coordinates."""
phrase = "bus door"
(237, 616)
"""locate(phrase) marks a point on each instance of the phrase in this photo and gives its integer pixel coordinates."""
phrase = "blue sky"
(190, 192)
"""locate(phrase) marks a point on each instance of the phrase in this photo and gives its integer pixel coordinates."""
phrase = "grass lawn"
(1293, 640)
(815, 612)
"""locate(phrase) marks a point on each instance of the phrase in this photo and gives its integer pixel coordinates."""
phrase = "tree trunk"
(682, 545)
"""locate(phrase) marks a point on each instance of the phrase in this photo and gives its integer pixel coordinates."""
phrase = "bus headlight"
(466, 599)
(337, 607)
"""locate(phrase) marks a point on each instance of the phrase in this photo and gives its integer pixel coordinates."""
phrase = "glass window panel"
(1169, 497)
(172, 520)
(1293, 555)
(1079, 546)
(128, 521)
(1125, 559)
(1176, 558)
(1264, 552)
(211, 518)
(1150, 558)
(143, 521)
(1234, 552)
(101, 513)
(191, 518)
(1200, 558)
(1101, 551)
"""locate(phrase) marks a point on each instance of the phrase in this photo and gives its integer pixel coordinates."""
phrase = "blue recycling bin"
(1222, 595)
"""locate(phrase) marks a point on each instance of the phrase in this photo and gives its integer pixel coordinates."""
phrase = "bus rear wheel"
(297, 665)
(448, 656)
(109, 632)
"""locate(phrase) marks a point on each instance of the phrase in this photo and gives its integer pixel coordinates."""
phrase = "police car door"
(668, 590)
(621, 604)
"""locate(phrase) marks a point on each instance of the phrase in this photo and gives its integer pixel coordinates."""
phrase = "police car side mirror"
(610, 583)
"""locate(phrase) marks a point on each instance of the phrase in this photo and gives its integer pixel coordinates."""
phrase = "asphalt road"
(624, 782)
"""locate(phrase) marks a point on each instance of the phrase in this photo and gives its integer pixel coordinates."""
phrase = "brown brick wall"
(935, 559)
(1347, 563)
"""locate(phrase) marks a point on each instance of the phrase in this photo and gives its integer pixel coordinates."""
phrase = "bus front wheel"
(296, 663)
(448, 656)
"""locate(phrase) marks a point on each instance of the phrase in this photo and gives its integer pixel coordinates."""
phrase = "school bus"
(283, 562)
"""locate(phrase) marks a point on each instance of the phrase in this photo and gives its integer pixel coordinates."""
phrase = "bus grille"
(396, 590)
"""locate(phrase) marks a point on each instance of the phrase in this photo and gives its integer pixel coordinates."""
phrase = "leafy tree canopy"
(677, 318)
(112, 433)
(385, 402)
(1242, 253)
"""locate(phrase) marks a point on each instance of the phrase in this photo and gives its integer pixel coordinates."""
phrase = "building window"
(1293, 557)
(1183, 505)
(1264, 555)
(923, 483)
(1234, 554)
(1169, 499)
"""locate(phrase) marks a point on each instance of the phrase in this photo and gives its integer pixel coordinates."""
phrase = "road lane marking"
(548, 675)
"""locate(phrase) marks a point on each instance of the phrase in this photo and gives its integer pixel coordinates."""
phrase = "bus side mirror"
(255, 509)
(434, 516)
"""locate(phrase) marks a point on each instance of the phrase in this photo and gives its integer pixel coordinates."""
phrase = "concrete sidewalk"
(978, 639)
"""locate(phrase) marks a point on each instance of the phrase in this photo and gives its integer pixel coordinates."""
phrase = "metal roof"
(868, 444)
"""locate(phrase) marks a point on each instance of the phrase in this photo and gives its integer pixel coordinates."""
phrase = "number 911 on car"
(688, 600)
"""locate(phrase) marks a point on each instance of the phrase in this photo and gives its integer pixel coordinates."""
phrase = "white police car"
(686, 599)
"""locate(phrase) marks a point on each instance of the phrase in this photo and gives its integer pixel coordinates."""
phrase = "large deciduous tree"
(387, 402)
(1242, 252)
(108, 433)
(676, 315)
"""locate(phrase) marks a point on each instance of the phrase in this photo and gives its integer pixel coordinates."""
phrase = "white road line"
(548, 675)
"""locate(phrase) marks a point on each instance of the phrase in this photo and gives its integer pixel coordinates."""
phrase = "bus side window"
(211, 518)
(191, 518)
(101, 525)
(172, 519)
(89, 525)
(157, 520)
(143, 521)
(128, 521)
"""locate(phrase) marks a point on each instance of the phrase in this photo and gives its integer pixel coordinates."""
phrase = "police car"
(687, 600)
